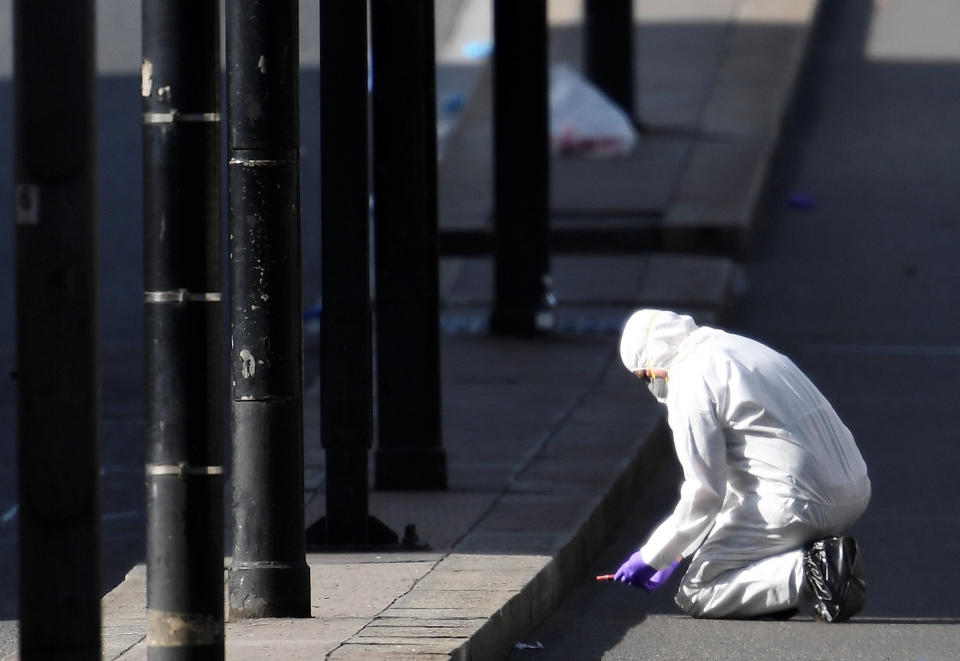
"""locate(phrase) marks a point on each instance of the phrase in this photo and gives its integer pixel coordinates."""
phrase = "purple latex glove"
(634, 571)
(659, 578)
(641, 575)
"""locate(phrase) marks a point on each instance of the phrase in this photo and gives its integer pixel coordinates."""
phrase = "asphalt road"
(861, 291)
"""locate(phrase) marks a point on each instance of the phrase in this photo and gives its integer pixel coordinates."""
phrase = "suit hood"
(652, 338)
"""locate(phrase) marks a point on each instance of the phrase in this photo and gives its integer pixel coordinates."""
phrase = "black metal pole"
(183, 328)
(521, 164)
(608, 49)
(269, 576)
(410, 450)
(346, 362)
(58, 349)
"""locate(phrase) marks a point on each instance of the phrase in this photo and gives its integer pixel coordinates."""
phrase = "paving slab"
(637, 184)
(717, 198)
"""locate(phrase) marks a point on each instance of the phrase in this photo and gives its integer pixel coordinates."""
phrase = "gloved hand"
(641, 575)
(659, 578)
(634, 571)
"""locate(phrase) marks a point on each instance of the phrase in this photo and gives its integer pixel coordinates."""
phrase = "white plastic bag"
(583, 121)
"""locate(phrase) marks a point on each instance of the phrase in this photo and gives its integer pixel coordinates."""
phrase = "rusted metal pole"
(183, 327)
(269, 576)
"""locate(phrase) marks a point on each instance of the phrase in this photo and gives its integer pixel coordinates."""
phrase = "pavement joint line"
(410, 589)
(561, 421)
(729, 30)
(140, 639)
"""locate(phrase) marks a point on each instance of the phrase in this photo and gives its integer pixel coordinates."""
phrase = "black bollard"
(521, 164)
(608, 49)
(410, 450)
(183, 328)
(346, 361)
(269, 576)
(58, 348)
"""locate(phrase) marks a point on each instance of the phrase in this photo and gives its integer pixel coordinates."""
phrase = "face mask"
(658, 387)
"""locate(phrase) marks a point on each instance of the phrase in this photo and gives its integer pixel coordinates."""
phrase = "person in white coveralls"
(771, 478)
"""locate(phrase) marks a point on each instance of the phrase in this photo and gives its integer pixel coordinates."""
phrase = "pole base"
(198, 652)
(379, 538)
(259, 590)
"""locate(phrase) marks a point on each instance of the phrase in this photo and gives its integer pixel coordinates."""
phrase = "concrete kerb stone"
(718, 195)
(524, 611)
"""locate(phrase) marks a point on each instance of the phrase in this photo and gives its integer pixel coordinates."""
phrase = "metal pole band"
(255, 157)
(174, 116)
(181, 296)
(183, 470)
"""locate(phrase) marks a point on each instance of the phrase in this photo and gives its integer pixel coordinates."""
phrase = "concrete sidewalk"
(549, 442)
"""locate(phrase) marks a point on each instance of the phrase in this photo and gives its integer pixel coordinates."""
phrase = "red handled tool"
(605, 577)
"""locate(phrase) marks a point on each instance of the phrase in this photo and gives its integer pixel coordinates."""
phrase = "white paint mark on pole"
(146, 78)
(248, 366)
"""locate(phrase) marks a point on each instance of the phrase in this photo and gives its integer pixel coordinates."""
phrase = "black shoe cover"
(834, 573)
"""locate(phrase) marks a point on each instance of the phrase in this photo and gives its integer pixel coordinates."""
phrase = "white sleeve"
(702, 451)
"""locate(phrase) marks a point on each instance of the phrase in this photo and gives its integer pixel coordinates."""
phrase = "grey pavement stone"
(754, 85)
(288, 638)
(636, 184)
(372, 652)
(478, 474)
(536, 512)
(453, 628)
(440, 522)
(521, 542)
(719, 193)
(423, 640)
(742, 109)
(123, 612)
(697, 282)
(469, 602)
(504, 578)
(360, 589)
(365, 557)
(561, 474)
(461, 560)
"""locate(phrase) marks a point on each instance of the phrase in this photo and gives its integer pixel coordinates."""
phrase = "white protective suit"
(767, 466)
